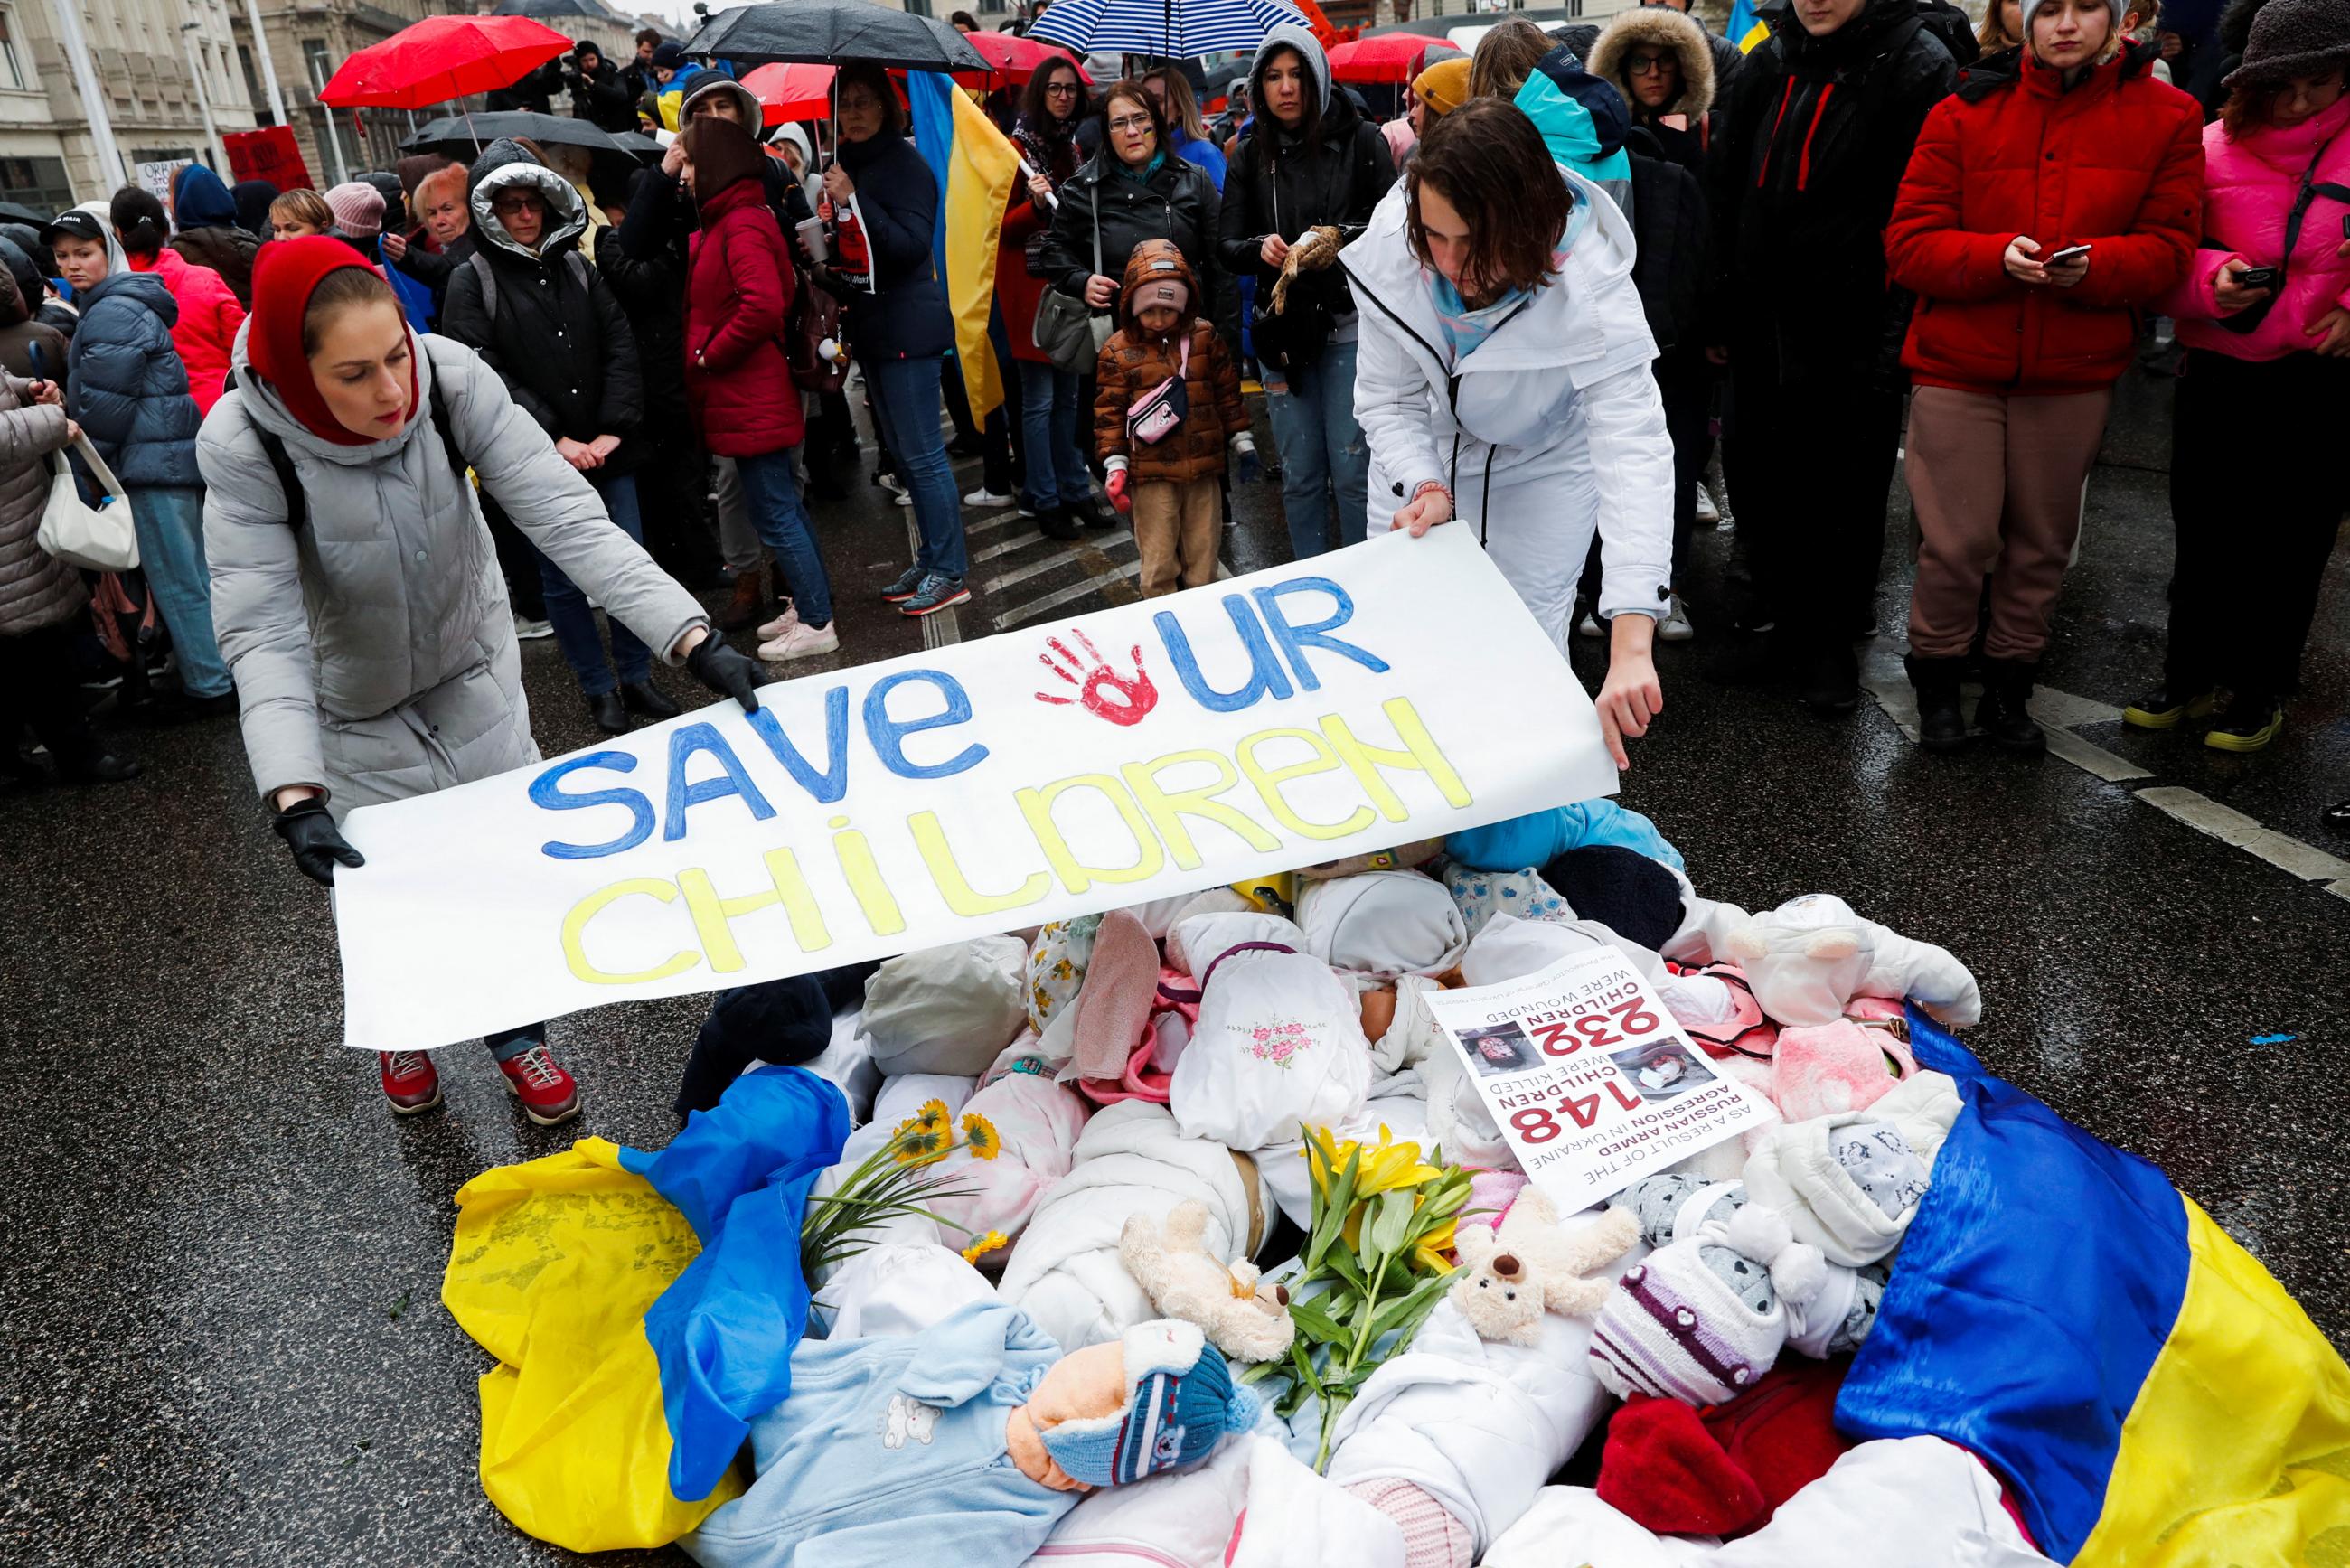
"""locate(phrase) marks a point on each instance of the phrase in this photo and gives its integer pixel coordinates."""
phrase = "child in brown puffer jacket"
(1166, 405)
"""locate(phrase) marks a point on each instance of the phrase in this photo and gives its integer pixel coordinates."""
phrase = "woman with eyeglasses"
(1051, 109)
(1658, 59)
(1134, 189)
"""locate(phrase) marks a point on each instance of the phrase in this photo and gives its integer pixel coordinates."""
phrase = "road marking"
(1102, 583)
(940, 629)
(1084, 556)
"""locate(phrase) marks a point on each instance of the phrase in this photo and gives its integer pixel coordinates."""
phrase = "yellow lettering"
(575, 925)
(954, 887)
(1167, 808)
(1036, 806)
(713, 916)
(1420, 754)
(1268, 781)
(857, 864)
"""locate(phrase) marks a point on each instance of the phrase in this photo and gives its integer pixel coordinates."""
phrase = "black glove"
(725, 672)
(309, 831)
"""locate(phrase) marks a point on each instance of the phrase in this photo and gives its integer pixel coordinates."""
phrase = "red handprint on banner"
(1101, 690)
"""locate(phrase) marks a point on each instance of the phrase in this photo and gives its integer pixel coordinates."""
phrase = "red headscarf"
(285, 276)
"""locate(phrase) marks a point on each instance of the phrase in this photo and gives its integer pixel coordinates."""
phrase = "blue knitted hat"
(1180, 1401)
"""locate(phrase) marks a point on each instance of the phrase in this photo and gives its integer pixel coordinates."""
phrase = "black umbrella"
(10, 212)
(546, 10)
(462, 135)
(827, 32)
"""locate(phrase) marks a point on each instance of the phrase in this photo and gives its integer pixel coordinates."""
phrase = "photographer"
(597, 94)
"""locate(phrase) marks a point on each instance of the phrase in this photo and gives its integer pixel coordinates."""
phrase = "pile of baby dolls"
(1054, 1368)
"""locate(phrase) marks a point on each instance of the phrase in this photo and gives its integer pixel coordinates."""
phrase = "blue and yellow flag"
(1745, 28)
(975, 166)
(2149, 1392)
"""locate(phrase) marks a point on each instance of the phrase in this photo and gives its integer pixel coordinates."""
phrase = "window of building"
(320, 63)
(253, 88)
(12, 69)
(39, 183)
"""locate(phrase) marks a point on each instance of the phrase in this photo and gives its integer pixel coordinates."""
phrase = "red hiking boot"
(546, 1092)
(409, 1081)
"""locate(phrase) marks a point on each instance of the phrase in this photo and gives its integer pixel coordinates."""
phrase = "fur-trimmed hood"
(1657, 26)
(507, 162)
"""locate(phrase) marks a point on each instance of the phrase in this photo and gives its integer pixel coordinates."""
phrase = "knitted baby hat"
(358, 208)
(1179, 1402)
(1677, 1326)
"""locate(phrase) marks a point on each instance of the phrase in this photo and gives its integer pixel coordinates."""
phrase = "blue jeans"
(575, 623)
(906, 404)
(1323, 455)
(170, 523)
(1048, 424)
(785, 528)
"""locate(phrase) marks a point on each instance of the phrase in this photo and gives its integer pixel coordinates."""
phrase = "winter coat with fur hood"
(557, 336)
(2115, 162)
(36, 589)
(374, 650)
(1134, 361)
(1662, 29)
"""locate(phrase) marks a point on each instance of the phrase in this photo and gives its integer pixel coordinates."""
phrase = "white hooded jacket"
(1551, 424)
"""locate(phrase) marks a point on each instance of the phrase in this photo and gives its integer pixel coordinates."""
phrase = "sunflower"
(933, 1116)
(983, 1246)
(980, 1137)
(920, 1145)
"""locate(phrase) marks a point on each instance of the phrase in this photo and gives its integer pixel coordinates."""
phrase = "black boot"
(610, 715)
(1055, 523)
(644, 697)
(1831, 680)
(2000, 715)
(1940, 726)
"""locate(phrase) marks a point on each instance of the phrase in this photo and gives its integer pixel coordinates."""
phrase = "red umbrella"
(443, 57)
(795, 91)
(1013, 58)
(1389, 58)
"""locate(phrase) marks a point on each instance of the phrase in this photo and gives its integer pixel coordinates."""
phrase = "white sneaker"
(529, 630)
(904, 498)
(1588, 627)
(1707, 512)
(1674, 625)
(782, 623)
(801, 641)
(984, 496)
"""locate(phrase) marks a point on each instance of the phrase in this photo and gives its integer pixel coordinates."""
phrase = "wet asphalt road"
(224, 1342)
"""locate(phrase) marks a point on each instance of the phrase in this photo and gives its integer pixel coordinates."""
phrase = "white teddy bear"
(1810, 956)
(1529, 1265)
(1246, 1318)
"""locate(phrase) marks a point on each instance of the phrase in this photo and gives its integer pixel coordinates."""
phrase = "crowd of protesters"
(1526, 304)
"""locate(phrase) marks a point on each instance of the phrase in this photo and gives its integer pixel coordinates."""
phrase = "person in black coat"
(48, 312)
(535, 91)
(1137, 189)
(1310, 159)
(1811, 155)
(551, 328)
(597, 94)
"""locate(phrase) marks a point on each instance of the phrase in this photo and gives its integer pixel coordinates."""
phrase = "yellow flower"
(920, 1145)
(933, 1116)
(979, 1136)
(1385, 1167)
(983, 1246)
(1429, 1255)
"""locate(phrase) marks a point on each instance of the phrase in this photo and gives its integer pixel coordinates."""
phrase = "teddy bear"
(1810, 956)
(1529, 1264)
(1242, 1315)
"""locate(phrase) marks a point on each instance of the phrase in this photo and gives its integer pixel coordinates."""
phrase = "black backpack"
(297, 505)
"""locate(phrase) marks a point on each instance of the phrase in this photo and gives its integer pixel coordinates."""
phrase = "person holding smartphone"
(2055, 193)
(2264, 312)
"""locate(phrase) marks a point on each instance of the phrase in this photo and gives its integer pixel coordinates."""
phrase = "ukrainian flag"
(1745, 28)
(2152, 1398)
(975, 165)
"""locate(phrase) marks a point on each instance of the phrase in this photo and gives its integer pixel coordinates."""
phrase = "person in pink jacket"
(2257, 482)
(210, 316)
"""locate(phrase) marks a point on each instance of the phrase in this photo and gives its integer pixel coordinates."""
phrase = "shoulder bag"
(98, 538)
(1067, 331)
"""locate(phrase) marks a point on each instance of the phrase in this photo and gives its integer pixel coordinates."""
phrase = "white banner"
(1589, 1078)
(1392, 691)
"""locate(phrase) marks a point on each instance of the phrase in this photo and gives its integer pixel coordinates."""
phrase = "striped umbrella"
(1170, 29)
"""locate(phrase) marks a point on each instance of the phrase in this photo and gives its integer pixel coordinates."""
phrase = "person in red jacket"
(209, 314)
(2047, 197)
(738, 287)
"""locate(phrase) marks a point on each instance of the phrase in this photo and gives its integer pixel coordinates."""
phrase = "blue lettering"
(825, 787)
(683, 743)
(1296, 639)
(548, 793)
(888, 735)
(1264, 669)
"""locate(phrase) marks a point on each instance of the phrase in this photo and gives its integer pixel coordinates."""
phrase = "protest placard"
(1589, 1078)
(1389, 693)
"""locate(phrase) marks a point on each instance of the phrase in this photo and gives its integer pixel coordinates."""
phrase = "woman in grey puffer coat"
(40, 596)
(364, 617)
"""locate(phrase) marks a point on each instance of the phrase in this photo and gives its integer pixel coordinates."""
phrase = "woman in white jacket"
(1504, 379)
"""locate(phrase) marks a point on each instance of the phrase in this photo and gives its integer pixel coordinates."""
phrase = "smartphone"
(2069, 254)
(2257, 278)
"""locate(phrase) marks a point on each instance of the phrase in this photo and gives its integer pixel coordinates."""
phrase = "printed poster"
(1589, 1078)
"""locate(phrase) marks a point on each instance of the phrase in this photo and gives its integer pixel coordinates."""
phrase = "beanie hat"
(284, 274)
(1167, 291)
(358, 208)
(1383, 923)
(669, 56)
(1636, 898)
(1432, 1538)
(1676, 1325)
(1444, 85)
(2293, 38)
(1179, 1402)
